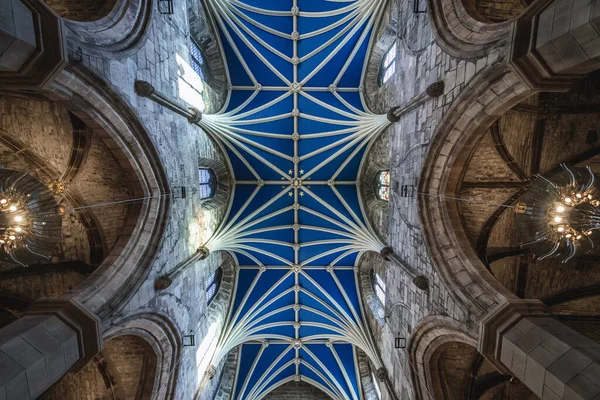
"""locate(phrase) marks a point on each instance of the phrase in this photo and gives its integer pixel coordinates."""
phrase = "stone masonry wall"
(128, 354)
(179, 145)
(420, 61)
(81, 10)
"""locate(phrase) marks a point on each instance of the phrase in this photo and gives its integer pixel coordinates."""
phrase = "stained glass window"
(378, 287)
(196, 58)
(212, 284)
(207, 183)
(382, 185)
(388, 66)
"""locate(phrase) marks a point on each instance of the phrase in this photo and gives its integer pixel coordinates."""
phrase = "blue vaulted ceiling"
(295, 128)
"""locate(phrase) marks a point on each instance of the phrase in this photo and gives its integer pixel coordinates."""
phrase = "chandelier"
(559, 215)
(30, 220)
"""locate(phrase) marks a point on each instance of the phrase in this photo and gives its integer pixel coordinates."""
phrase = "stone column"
(56, 336)
(554, 361)
(165, 281)
(434, 90)
(555, 43)
(420, 281)
(33, 46)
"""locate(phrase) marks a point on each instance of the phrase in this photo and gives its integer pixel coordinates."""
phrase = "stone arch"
(101, 109)
(81, 10)
(224, 372)
(460, 32)
(387, 34)
(368, 295)
(366, 376)
(429, 338)
(495, 91)
(222, 192)
(203, 30)
(121, 31)
(160, 333)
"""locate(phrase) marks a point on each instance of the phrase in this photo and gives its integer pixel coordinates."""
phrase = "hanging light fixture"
(30, 220)
(559, 215)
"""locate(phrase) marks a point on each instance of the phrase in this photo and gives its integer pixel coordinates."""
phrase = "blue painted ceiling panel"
(295, 127)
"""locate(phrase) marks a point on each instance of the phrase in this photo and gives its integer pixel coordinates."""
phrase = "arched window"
(382, 185)
(196, 59)
(388, 66)
(378, 287)
(207, 183)
(376, 385)
(212, 284)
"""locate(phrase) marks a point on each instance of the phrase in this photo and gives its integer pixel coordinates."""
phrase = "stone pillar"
(556, 42)
(33, 46)
(554, 361)
(56, 336)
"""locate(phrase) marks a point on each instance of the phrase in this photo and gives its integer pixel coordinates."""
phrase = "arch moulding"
(429, 336)
(112, 120)
(162, 335)
(490, 95)
(461, 33)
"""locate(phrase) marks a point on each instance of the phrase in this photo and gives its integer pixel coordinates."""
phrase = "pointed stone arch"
(428, 339)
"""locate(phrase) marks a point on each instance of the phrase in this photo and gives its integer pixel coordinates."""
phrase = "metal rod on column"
(420, 281)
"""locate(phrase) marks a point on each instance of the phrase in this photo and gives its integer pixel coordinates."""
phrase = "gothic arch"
(203, 31)
(122, 31)
(387, 33)
(461, 33)
(222, 192)
(83, 11)
(428, 339)
(156, 329)
(490, 95)
(367, 293)
(101, 109)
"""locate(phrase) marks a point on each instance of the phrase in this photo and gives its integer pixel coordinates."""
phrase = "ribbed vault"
(296, 128)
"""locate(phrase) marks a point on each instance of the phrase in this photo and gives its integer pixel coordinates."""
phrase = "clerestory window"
(382, 185)
(212, 284)
(388, 65)
(207, 183)
(196, 58)
(378, 287)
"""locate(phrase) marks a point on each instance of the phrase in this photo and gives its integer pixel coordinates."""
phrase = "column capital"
(144, 89)
(387, 253)
(392, 115)
(86, 324)
(162, 282)
(436, 89)
(499, 321)
(203, 252)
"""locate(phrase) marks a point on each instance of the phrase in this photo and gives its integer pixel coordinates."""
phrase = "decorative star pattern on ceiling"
(296, 129)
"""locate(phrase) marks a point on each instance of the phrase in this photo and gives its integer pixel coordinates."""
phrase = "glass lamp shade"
(559, 214)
